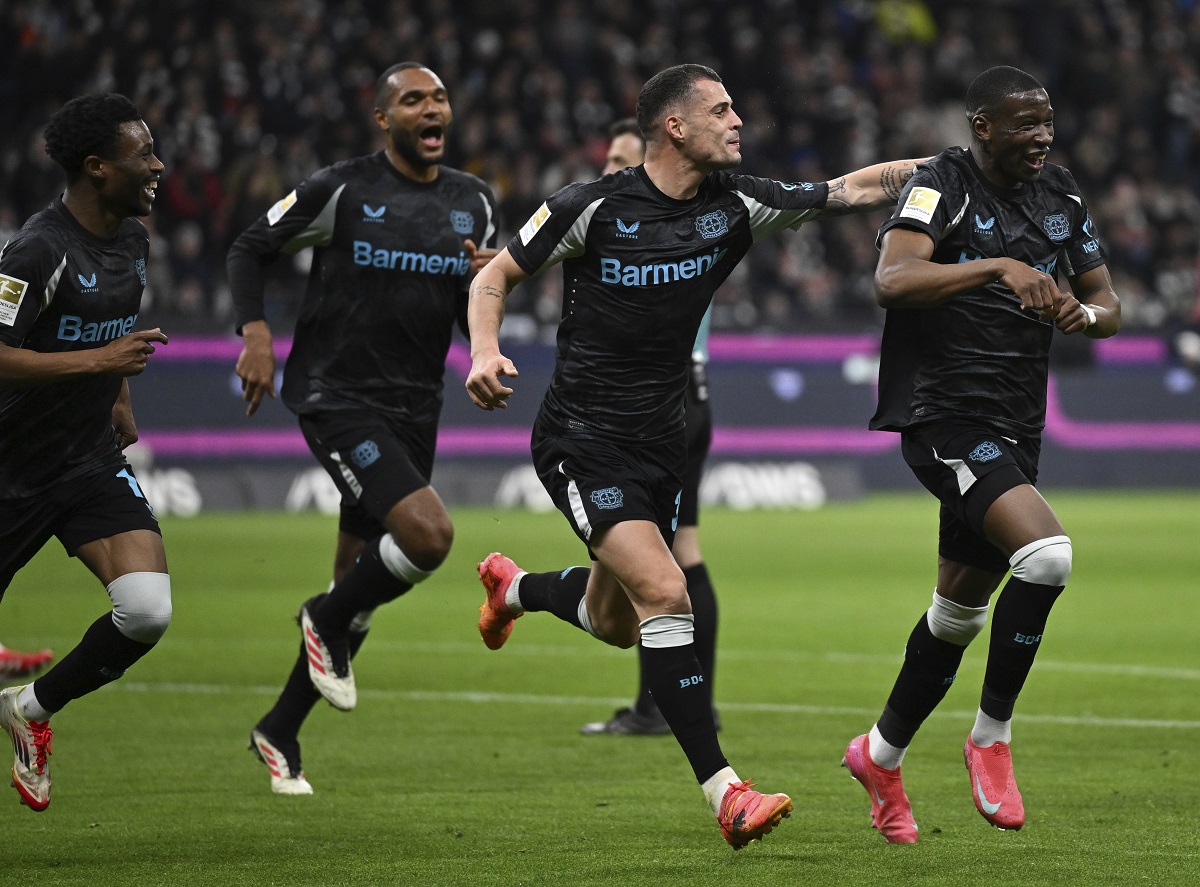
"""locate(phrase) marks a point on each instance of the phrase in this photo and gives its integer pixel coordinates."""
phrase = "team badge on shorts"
(608, 498)
(985, 452)
(365, 453)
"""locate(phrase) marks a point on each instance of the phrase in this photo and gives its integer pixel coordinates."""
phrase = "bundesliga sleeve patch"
(535, 222)
(12, 292)
(275, 213)
(920, 204)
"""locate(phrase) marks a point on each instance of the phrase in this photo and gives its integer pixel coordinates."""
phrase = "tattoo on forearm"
(488, 290)
(837, 203)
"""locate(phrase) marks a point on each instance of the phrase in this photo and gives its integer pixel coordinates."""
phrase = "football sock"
(882, 752)
(29, 706)
(1018, 621)
(668, 659)
(558, 593)
(704, 610)
(930, 666)
(988, 731)
(716, 785)
(101, 657)
(381, 574)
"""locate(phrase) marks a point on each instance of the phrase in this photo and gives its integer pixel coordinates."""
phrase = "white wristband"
(1089, 313)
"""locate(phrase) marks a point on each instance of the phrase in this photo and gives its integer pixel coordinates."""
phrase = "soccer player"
(15, 664)
(642, 718)
(396, 236)
(643, 250)
(71, 284)
(967, 272)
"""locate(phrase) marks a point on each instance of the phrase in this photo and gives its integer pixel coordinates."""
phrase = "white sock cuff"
(954, 623)
(398, 563)
(585, 621)
(668, 630)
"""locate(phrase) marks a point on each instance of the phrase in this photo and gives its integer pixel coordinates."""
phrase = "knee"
(1044, 561)
(141, 605)
(428, 545)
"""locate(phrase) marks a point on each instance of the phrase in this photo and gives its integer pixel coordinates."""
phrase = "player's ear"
(981, 127)
(94, 167)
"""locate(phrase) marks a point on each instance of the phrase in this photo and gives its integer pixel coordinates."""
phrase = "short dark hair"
(625, 126)
(87, 126)
(381, 84)
(989, 90)
(666, 89)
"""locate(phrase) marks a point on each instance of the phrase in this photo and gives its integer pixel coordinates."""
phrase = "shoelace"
(42, 736)
(734, 792)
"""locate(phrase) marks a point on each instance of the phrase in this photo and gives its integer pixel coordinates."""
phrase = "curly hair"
(989, 90)
(87, 126)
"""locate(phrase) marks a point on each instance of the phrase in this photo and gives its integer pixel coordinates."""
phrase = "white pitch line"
(486, 698)
(455, 648)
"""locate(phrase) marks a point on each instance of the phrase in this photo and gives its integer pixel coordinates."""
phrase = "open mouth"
(149, 189)
(432, 138)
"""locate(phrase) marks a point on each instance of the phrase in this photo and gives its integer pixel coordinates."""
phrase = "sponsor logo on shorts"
(985, 452)
(608, 498)
(366, 453)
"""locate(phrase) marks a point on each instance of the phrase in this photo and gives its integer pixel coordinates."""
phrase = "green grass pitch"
(463, 766)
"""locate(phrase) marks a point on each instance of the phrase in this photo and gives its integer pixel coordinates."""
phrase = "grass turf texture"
(464, 767)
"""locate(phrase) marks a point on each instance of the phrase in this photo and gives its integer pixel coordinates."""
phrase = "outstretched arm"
(485, 313)
(872, 187)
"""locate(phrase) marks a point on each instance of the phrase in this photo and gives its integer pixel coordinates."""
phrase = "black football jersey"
(388, 282)
(639, 271)
(62, 288)
(978, 356)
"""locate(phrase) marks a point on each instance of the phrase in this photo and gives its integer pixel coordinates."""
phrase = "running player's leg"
(113, 532)
(1022, 525)
(382, 469)
(133, 567)
(635, 554)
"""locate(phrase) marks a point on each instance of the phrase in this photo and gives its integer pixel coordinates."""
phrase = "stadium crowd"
(246, 99)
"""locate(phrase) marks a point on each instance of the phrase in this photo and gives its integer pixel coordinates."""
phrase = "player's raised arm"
(485, 313)
(872, 187)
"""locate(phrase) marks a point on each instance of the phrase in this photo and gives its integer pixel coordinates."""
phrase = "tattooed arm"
(872, 187)
(485, 312)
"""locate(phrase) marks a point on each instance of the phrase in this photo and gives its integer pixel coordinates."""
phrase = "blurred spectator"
(247, 99)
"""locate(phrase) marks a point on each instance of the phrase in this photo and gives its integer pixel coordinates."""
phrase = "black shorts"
(968, 467)
(374, 462)
(698, 419)
(596, 484)
(77, 511)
